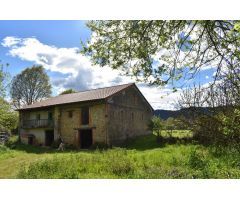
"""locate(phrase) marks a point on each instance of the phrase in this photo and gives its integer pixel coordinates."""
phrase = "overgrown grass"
(140, 158)
(177, 133)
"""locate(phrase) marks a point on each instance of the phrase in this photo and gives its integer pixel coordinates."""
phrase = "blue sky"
(54, 44)
(59, 33)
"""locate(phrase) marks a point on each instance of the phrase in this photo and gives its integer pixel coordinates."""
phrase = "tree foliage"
(29, 86)
(214, 111)
(69, 91)
(158, 52)
(225, 93)
(156, 125)
(4, 79)
(231, 124)
(170, 124)
(8, 117)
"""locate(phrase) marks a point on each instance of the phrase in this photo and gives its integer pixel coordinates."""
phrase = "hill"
(186, 112)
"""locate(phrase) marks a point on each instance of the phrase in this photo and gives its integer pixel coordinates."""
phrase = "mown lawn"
(139, 158)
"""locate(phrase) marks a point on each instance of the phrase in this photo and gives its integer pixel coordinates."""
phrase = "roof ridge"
(101, 88)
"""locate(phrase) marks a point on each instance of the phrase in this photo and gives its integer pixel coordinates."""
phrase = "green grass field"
(139, 158)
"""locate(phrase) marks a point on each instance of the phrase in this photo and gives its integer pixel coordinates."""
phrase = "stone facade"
(129, 115)
(111, 121)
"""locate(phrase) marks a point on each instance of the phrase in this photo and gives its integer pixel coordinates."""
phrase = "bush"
(231, 124)
(219, 128)
(197, 160)
(3, 148)
(12, 142)
(8, 117)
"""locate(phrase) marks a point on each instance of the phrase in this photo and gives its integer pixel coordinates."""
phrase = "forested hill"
(165, 114)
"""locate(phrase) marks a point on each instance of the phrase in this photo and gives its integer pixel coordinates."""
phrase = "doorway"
(30, 140)
(49, 137)
(86, 138)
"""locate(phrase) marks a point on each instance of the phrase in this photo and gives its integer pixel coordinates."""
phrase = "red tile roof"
(89, 95)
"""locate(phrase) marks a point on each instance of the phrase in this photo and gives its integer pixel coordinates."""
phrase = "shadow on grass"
(31, 149)
(140, 143)
(15, 144)
(38, 149)
(148, 142)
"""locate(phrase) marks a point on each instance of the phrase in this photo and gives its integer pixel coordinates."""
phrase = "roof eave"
(48, 106)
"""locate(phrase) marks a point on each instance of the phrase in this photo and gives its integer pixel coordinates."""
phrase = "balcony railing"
(38, 123)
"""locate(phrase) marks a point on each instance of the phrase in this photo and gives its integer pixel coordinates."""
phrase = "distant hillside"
(165, 114)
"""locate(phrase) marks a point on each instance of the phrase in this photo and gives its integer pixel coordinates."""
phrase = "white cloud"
(160, 98)
(10, 41)
(78, 71)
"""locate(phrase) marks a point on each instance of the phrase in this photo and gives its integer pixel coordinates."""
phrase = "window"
(70, 114)
(132, 116)
(50, 116)
(38, 116)
(85, 115)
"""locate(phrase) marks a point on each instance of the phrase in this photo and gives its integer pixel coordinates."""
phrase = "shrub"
(3, 148)
(197, 159)
(231, 124)
(12, 142)
(8, 117)
(222, 127)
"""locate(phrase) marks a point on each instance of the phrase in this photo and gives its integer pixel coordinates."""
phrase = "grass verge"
(140, 158)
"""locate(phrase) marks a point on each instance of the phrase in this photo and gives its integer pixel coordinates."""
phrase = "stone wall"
(128, 116)
(68, 124)
(98, 121)
(69, 127)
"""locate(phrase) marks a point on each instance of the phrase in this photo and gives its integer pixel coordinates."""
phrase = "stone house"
(107, 115)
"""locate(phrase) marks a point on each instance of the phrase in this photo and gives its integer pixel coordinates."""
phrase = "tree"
(170, 125)
(213, 112)
(158, 52)
(4, 79)
(8, 117)
(69, 91)
(29, 86)
(155, 125)
(225, 93)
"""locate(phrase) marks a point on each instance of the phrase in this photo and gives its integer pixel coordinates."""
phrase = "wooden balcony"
(38, 123)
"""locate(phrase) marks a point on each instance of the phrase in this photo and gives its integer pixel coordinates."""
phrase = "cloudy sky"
(55, 45)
